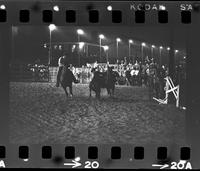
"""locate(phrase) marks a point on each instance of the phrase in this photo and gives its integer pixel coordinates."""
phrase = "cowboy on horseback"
(67, 78)
(61, 63)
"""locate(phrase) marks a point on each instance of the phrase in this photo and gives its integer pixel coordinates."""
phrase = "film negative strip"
(99, 84)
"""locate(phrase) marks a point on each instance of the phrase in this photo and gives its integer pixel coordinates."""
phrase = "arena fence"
(42, 73)
(82, 74)
(53, 74)
(29, 73)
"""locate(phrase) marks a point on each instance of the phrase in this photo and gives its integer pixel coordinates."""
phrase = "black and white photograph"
(97, 85)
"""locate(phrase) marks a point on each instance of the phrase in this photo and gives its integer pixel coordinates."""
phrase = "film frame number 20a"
(99, 84)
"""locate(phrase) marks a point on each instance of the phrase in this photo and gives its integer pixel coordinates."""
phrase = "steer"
(103, 80)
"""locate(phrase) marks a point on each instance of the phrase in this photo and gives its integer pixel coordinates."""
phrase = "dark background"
(28, 42)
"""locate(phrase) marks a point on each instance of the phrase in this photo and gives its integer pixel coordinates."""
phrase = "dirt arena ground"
(41, 113)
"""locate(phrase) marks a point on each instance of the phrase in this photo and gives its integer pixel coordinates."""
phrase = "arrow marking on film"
(161, 166)
(74, 164)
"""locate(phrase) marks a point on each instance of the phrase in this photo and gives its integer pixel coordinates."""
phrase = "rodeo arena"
(126, 91)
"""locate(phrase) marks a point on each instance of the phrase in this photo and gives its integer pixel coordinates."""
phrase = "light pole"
(152, 47)
(176, 51)
(129, 48)
(160, 50)
(79, 32)
(51, 28)
(81, 45)
(117, 42)
(106, 50)
(178, 66)
(143, 45)
(168, 49)
(101, 36)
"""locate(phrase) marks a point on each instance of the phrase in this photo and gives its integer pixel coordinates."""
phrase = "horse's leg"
(108, 91)
(70, 90)
(90, 92)
(90, 89)
(65, 89)
(66, 92)
(98, 94)
(113, 91)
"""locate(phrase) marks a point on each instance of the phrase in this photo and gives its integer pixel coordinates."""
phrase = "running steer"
(103, 80)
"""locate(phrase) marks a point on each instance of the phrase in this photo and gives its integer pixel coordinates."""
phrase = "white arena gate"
(170, 88)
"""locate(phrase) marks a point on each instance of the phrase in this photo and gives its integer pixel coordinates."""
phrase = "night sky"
(28, 41)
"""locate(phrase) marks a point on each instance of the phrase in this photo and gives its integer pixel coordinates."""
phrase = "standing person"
(125, 61)
(128, 76)
(61, 62)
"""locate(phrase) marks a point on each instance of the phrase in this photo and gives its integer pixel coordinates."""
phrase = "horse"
(66, 79)
(103, 80)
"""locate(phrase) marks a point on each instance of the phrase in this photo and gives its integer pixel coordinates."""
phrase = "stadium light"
(129, 47)
(109, 8)
(52, 27)
(106, 48)
(118, 40)
(152, 47)
(2, 7)
(101, 36)
(143, 44)
(80, 31)
(160, 55)
(130, 41)
(56, 8)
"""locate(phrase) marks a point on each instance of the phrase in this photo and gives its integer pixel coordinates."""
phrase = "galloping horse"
(66, 79)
